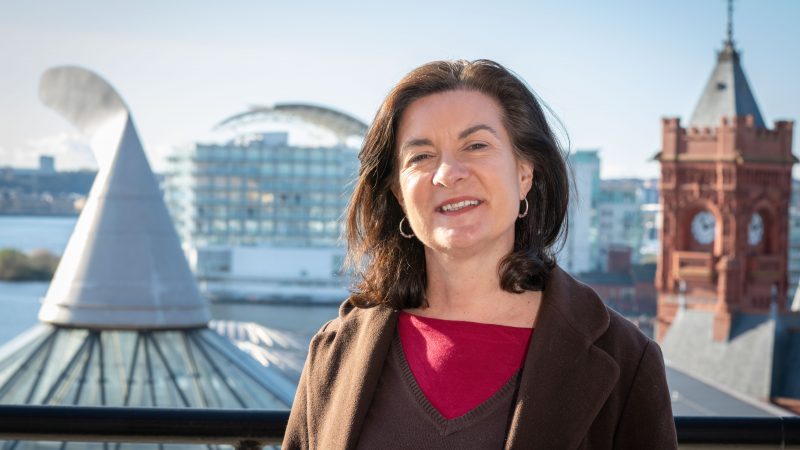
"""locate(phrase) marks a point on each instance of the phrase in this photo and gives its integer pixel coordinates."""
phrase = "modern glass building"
(629, 215)
(578, 254)
(259, 213)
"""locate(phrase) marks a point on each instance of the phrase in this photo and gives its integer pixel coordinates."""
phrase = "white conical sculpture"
(123, 266)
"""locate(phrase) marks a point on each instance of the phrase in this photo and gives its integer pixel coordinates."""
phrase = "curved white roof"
(340, 124)
(123, 267)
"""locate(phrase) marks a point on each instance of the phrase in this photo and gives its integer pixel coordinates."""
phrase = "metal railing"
(252, 429)
(778, 431)
(244, 429)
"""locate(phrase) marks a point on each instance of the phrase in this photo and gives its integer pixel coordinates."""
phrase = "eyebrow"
(426, 142)
(475, 128)
(416, 143)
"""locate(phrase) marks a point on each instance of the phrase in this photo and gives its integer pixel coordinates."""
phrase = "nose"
(449, 172)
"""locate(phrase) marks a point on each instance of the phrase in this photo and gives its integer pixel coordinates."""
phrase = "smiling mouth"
(457, 206)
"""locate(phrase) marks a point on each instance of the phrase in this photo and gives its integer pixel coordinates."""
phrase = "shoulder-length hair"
(390, 269)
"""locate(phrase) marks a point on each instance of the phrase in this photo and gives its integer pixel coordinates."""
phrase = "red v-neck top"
(459, 365)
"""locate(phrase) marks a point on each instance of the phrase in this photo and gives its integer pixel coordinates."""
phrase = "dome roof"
(340, 124)
(195, 368)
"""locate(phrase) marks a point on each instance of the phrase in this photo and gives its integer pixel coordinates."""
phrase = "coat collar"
(361, 345)
(565, 381)
(566, 378)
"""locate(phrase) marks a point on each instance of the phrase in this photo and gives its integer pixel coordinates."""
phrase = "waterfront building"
(650, 219)
(259, 212)
(793, 296)
(43, 190)
(625, 287)
(618, 217)
(123, 323)
(579, 253)
(47, 164)
(627, 212)
(723, 267)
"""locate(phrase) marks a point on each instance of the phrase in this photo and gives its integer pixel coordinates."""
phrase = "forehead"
(449, 112)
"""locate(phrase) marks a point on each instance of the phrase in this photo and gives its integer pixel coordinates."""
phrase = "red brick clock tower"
(725, 188)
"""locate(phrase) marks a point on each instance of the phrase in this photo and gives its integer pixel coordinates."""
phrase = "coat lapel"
(566, 379)
(359, 349)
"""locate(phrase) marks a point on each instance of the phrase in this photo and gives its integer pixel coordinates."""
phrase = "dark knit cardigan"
(591, 379)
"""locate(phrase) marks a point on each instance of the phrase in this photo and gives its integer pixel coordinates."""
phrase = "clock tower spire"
(725, 188)
(730, 23)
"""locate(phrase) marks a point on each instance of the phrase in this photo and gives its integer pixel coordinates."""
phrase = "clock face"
(704, 227)
(755, 230)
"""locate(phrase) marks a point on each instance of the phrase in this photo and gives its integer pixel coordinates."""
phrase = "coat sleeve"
(646, 420)
(296, 436)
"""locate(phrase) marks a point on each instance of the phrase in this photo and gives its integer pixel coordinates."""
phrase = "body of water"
(19, 306)
(28, 233)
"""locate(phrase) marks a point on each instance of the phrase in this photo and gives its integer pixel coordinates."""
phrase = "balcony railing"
(697, 266)
(253, 429)
(244, 429)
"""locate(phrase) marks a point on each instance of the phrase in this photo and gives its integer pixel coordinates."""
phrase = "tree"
(17, 266)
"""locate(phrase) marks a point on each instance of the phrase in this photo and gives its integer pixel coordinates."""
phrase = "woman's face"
(459, 183)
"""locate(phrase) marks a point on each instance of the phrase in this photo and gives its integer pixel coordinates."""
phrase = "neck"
(468, 288)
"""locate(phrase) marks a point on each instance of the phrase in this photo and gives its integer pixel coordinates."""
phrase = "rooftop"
(727, 93)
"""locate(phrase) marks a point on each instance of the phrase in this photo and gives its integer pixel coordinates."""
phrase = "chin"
(475, 238)
(455, 240)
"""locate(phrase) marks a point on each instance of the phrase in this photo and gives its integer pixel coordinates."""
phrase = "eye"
(418, 157)
(476, 146)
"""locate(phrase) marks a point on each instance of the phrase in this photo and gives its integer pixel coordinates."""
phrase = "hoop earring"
(407, 236)
(524, 213)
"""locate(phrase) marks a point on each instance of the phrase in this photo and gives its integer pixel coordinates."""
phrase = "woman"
(461, 196)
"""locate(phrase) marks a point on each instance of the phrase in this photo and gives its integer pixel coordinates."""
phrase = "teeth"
(460, 205)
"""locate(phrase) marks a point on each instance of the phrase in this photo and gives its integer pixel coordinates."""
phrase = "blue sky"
(610, 70)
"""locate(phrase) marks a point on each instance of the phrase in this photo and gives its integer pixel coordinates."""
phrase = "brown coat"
(591, 379)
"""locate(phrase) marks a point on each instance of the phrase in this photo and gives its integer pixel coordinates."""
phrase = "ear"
(525, 177)
(398, 194)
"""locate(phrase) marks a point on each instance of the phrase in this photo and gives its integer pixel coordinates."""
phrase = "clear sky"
(609, 69)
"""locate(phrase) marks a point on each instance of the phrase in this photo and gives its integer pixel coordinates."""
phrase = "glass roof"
(278, 350)
(195, 368)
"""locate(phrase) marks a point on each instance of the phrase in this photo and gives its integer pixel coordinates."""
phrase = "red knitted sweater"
(459, 365)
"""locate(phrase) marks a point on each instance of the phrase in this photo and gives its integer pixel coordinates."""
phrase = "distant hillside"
(78, 182)
(43, 193)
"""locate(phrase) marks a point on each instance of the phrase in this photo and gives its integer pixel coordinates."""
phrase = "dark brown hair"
(390, 268)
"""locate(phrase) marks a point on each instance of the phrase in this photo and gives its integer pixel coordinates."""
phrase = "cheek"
(410, 189)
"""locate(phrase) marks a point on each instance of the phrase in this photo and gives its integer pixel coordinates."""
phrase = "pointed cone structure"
(727, 93)
(123, 267)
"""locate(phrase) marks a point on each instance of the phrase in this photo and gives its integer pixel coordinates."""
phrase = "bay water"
(28, 233)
